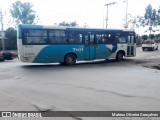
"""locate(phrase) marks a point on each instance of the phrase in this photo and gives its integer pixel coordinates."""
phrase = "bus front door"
(131, 45)
(89, 49)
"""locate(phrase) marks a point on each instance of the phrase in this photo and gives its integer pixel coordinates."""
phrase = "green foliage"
(11, 34)
(64, 23)
(151, 17)
(22, 12)
(158, 16)
(151, 36)
(132, 22)
(158, 35)
(72, 24)
(144, 37)
(1, 20)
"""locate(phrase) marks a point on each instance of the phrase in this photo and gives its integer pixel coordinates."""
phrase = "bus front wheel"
(119, 56)
(70, 59)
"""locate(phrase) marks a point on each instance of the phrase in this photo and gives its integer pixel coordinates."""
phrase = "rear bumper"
(147, 47)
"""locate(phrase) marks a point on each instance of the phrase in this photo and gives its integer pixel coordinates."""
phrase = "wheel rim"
(70, 59)
(120, 56)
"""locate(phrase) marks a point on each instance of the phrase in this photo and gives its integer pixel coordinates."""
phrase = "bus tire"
(70, 59)
(143, 49)
(119, 56)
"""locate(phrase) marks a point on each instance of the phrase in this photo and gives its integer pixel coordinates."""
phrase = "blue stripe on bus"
(56, 53)
(31, 26)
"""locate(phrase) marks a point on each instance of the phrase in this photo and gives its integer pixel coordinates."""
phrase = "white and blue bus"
(50, 44)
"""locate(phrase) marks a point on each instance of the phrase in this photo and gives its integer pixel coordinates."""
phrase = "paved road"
(100, 85)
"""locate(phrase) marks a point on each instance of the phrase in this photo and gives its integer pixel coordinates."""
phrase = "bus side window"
(78, 38)
(121, 39)
(104, 38)
(91, 39)
(86, 39)
(67, 40)
(129, 39)
(35, 37)
(98, 38)
(74, 38)
(57, 36)
(132, 39)
(43, 40)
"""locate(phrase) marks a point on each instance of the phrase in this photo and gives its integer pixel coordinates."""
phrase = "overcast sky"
(91, 12)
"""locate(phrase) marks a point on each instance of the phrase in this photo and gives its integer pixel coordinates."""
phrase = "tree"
(132, 22)
(150, 15)
(11, 34)
(1, 19)
(157, 36)
(2, 31)
(144, 37)
(158, 16)
(149, 19)
(64, 23)
(22, 12)
(71, 24)
(151, 36)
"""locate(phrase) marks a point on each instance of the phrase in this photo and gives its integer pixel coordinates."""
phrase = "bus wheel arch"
(70, 58)
(120, 54)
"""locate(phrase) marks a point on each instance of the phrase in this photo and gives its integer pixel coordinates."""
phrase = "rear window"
(148, 42)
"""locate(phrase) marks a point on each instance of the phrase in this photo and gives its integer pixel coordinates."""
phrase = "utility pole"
(2, 31)
(108, 4)
(126, 23)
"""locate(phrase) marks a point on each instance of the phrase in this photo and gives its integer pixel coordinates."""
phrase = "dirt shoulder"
(150, 59)
(150, 63)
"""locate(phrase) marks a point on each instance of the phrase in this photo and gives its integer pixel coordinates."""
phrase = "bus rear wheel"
(119, 56)
(70, 59)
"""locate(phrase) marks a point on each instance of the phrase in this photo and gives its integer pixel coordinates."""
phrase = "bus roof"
(30, 26)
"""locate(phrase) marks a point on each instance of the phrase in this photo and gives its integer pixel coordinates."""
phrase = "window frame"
(26, 42)
(48, 40)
